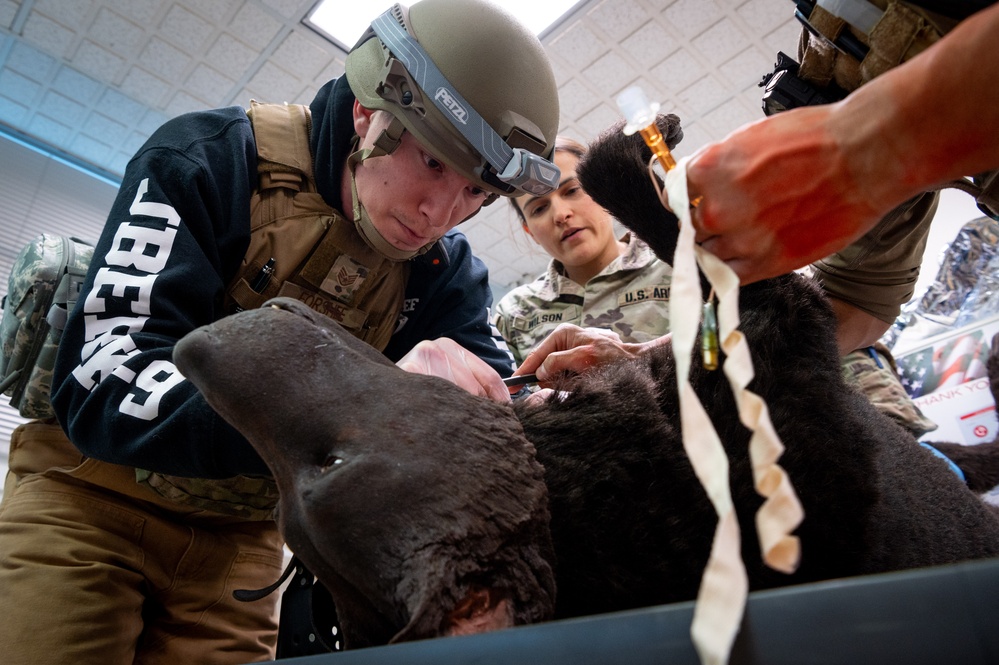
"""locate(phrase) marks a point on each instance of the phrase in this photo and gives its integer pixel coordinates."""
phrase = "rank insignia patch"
(344, 278)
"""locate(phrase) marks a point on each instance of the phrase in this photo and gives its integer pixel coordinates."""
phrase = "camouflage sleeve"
(499, 318)
(513, 309)
(501, 321)
(877, 274)
(872, 371)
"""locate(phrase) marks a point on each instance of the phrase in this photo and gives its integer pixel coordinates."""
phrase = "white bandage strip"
(722, 597)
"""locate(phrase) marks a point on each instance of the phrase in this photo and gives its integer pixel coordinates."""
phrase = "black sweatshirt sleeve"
(175, 235)
(449, 296)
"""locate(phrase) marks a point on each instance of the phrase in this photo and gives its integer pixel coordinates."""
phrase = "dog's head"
(418, 505)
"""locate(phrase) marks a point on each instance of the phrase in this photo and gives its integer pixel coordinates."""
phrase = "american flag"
(949, 365)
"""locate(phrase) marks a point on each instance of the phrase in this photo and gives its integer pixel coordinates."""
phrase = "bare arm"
(790, 189)
(855, 328)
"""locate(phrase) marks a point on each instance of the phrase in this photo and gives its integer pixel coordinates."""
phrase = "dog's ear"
(615, 173)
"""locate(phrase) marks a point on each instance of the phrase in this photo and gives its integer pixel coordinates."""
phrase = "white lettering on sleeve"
(104, 330)
(104, 360)
(119, 305)
(134, 289)
(155, 381)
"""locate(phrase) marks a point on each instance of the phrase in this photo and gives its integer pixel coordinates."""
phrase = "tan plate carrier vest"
(318, 258)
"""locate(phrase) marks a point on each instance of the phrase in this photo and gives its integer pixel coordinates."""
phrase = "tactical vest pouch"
(287, 215)
(286, 241)
(43, 287)
(311, 253)
(352, 284)
(316, 254)
(902, 32)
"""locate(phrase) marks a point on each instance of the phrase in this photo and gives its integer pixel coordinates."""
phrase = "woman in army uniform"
(594, 279)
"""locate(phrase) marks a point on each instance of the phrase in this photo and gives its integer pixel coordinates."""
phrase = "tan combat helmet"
(470, 83)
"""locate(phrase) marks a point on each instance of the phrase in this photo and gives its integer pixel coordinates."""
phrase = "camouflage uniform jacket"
(872, 370)
(628, 297)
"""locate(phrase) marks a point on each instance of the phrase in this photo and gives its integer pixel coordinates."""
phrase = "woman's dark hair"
(562, 144)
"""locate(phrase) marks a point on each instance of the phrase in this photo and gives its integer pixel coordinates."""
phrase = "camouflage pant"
(91, 575)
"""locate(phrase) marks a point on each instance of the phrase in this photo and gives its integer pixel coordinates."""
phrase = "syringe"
(640, 114)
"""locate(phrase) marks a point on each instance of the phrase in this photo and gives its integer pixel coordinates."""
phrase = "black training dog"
(632, 525)
(424, 512)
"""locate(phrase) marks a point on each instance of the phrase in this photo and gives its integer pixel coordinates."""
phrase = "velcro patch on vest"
(349, 317)
(643, 295)
(344, 278)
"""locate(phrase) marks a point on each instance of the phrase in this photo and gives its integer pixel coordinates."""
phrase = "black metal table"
(933, 616)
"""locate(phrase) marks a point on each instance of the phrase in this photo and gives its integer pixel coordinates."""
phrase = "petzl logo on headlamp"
(453, 106)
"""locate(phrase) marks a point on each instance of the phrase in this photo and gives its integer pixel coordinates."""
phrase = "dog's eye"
(330, 462)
